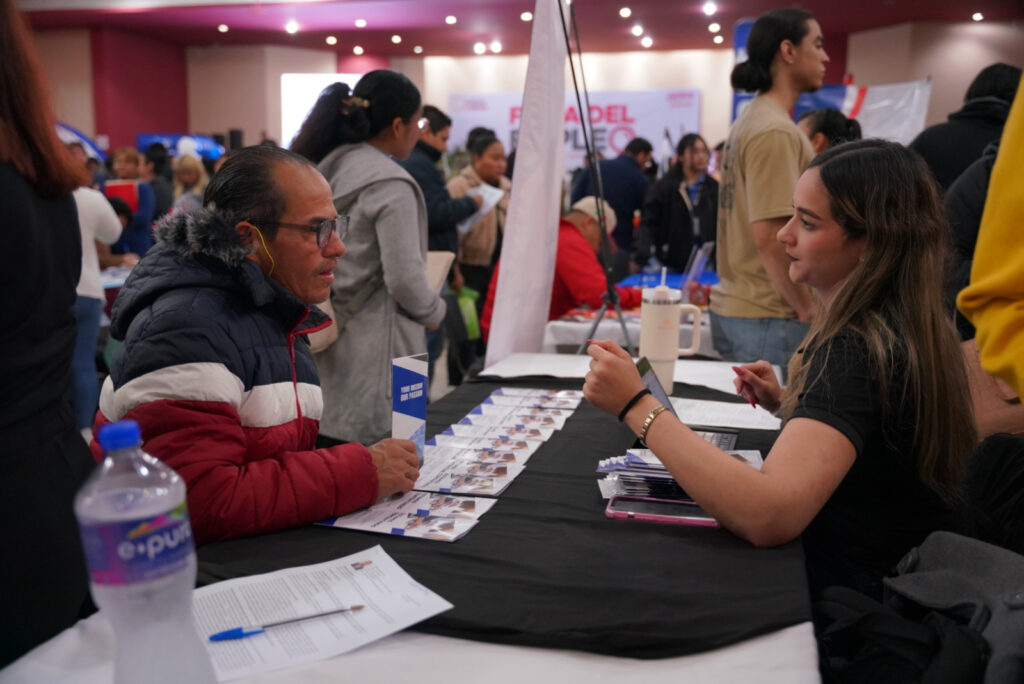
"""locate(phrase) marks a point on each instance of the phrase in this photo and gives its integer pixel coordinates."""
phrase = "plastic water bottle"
(142, 561)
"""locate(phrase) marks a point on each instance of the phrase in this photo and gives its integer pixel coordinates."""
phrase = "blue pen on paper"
(242, 632)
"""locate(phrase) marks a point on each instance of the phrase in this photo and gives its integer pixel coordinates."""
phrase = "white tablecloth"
(83, 654)
(573, 333)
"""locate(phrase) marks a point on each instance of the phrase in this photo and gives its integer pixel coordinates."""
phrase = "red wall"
(140, 85)
(360, 64)
(835, 47)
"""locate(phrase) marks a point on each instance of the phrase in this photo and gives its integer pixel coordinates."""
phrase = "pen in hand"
(242, 632)
(743, 390)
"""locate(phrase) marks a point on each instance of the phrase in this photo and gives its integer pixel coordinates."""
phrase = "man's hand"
(479, 199)
(397, 465)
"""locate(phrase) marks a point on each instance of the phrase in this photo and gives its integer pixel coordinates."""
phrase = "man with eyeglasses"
(215, 366)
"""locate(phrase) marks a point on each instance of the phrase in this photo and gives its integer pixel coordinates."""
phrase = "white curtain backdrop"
(523, 293)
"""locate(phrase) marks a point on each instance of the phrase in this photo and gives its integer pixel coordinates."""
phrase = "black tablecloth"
(545, 567)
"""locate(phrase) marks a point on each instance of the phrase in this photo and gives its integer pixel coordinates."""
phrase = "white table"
(572, 333)
(83, 654)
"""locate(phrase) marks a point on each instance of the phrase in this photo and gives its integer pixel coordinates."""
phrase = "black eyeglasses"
(323, 230)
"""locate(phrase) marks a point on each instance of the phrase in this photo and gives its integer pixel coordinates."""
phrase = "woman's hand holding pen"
(756, 382)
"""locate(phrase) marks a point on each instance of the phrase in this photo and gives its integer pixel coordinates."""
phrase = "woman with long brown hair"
(43, 459)
(878, 415)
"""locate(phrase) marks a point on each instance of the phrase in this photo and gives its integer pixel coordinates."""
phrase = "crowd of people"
(832, 255)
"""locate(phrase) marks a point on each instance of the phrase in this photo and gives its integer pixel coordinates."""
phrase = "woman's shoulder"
(878, 353)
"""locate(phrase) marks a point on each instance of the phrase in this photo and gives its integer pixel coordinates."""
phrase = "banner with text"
(618, 116)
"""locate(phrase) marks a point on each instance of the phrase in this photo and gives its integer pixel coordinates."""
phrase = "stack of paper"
(479, 456)
(640, 473)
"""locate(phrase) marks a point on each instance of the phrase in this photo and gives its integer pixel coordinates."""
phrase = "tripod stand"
(611, 296)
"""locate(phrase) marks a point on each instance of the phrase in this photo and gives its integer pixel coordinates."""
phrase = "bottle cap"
(124, 433)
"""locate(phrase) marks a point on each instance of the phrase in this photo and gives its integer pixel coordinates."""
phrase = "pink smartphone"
(663, 511)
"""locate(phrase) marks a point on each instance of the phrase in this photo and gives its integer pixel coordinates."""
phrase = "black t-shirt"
(881, 509)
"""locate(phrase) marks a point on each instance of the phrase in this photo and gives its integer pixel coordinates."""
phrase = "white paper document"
(490, 195)
(449, 475)
(477, 455)
(391, 600)
(724, 414)
(491, 414)
(528, 392)
(424, 515)
(541, 401)
(522, 447)
(522, 364)
(499, 431)
(714, 374)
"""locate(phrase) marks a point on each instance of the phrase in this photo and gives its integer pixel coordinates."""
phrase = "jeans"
(84, 386)
(752, 339)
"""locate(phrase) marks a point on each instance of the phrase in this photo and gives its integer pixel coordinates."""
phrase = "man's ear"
(247, 236)
(787, 51)
(245, 232)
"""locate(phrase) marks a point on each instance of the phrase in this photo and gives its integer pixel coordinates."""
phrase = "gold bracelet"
(655, 412)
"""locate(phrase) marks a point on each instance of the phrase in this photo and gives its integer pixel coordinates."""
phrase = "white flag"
(523, 296)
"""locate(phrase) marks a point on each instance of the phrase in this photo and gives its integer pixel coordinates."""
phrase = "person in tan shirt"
(757, 312)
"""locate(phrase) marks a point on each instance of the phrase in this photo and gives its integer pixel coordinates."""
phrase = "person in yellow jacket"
(994, 301)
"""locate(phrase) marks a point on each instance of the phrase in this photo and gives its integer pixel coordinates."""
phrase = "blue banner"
(180, 143)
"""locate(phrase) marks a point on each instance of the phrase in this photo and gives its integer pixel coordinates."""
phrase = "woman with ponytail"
(827, 128)
(381, 297)
(878, 421)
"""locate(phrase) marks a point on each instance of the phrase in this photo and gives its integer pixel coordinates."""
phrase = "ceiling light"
(709, 8)
(357, 50)
(718, 40)
(625, 12)
(331, 40)
(495, 46)
(646, 41)
(396, 39)
(450, 19)
(223, 28)
(637, 30)
(715, 27)
(292, 26)
(977, 16)
(360, 23)
(526, 16)
(418, 49)
(479, 48)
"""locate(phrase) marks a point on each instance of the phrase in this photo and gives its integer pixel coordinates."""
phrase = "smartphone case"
(689, 513)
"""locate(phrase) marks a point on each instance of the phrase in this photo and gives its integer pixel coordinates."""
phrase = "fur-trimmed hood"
(206, 231)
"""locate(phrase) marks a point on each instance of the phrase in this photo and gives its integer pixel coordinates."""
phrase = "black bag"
(867, 641)
(953, 613)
